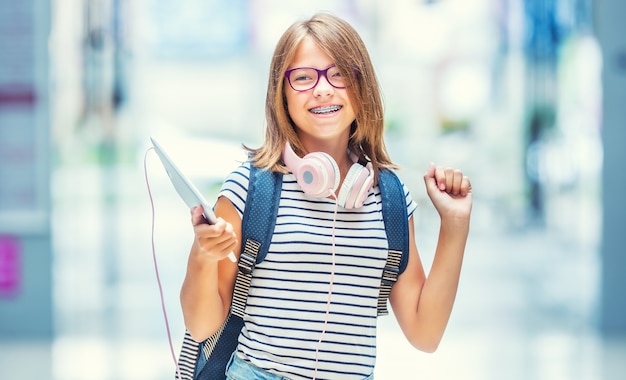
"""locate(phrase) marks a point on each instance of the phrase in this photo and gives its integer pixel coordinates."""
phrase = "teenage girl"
(311, 311)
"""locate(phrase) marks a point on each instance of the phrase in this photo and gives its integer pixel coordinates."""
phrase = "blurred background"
(526, 96)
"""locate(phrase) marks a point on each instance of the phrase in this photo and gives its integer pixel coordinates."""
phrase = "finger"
(211, 231)
(466, 186)
(429, 175)
(226, 246)
(457, 180)
(449, 179)
(219, 242)
(430, 172)
(429, 179)
(440, 178)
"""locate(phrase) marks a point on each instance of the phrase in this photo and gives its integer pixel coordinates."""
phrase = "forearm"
(203, 307)
(440, 288)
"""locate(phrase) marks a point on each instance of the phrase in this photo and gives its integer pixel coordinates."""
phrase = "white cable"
(330, 286)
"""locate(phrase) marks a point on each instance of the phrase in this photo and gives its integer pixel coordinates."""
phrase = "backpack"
(208, 359)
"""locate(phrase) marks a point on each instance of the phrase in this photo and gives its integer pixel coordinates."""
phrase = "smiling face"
(356, 118)
(323, 114)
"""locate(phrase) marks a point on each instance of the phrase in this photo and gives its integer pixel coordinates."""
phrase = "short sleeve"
(411, 205)
(235, 187)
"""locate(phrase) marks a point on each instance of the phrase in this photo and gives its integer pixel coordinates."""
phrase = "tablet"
(187, 191)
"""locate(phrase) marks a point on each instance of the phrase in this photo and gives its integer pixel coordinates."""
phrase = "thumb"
(196, 216)
(429, 178)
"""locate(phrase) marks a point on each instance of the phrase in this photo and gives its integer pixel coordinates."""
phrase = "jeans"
(238, 369)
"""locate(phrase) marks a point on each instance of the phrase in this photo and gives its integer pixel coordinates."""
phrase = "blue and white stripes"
(287, 303)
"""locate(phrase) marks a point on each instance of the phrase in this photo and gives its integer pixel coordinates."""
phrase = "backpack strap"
(257, 226)
(396, 222)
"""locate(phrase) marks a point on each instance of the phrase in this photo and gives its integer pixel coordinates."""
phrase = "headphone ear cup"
(317, 174)
(356, 186)
(366, 185)
(347, 186)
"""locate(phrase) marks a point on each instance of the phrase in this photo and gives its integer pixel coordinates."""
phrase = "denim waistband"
(238, 369)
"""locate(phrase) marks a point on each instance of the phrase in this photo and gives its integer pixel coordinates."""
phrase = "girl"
(311, 311)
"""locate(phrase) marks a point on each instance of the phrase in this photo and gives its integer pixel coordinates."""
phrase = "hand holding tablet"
(187, 191)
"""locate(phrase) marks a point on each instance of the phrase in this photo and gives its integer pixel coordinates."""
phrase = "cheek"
(289, 105)
(295, 104)
(350, 110)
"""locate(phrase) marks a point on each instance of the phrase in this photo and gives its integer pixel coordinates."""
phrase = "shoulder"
(390, 181)
(235, 186)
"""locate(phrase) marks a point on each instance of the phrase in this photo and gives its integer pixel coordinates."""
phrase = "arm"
(207, 289)
(422, 305)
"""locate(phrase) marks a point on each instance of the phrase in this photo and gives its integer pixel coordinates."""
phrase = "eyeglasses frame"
(323, 72)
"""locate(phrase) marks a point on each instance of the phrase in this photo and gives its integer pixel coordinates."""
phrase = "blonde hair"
(342, 43)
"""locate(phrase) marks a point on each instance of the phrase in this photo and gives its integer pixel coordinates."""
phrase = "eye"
(335, 73)
(300, 78)
(335, 77)
(302, 75)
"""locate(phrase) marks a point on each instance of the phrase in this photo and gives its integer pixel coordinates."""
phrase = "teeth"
(327, 109)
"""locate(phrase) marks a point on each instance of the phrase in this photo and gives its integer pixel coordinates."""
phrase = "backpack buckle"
(247, 259)
(391, 271)
(390, 275)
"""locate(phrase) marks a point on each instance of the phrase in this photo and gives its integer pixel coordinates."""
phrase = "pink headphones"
(317, 174)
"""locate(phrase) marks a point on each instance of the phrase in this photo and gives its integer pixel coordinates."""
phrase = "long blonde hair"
(340, 41)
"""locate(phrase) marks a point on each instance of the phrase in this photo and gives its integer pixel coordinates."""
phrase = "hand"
(215, 241)
(450, 191)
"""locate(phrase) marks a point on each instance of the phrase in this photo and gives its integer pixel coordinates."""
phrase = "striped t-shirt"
(287, 312)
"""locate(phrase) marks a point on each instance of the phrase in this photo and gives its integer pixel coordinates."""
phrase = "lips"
(324, 110)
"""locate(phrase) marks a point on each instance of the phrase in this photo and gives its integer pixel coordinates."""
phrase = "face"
(323, 114)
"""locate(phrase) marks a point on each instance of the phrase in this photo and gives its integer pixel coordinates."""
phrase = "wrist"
(456, 225)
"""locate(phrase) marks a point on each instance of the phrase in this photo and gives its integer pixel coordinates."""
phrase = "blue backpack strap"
(396, 222)
(257, 227)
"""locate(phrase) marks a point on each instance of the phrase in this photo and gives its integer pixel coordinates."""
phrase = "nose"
(323, 86)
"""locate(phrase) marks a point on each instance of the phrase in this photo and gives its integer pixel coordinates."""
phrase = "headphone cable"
(330, 285)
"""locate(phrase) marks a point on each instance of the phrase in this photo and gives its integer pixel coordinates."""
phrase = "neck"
(339, 153)
(336, 147)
